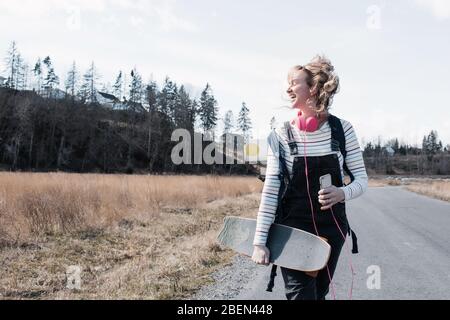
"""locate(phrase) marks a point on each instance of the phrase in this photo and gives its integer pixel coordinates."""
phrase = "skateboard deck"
(289, 247)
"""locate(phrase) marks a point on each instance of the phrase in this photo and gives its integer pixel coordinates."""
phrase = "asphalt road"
(404, 250)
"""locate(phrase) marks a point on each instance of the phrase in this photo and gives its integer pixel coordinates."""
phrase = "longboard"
(289, 247)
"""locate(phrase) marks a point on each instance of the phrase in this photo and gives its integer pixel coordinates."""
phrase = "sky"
(391, 56)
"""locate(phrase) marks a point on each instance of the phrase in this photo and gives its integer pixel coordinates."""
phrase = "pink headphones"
(308, 124)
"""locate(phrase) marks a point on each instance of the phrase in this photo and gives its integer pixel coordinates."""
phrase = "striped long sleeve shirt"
(318, 143)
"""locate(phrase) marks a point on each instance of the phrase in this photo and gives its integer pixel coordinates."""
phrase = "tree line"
(392, 157)
(83, 125)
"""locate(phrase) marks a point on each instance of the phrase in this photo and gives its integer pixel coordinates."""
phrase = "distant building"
(102, 98)
(53, 93)
(109, 100)
(59, 94)
(389, 151)
(106, 98)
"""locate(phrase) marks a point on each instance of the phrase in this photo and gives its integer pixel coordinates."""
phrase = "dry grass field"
(435, 187)
(131, 236)
(143, 237)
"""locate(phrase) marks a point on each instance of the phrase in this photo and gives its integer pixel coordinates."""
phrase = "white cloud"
(30, 8)
(170, 21)
(439, 8)
(251, 66)
(162, 12)
(25, 8)
(136, 21)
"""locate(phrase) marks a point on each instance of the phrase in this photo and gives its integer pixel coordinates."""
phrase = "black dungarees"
(297, 209)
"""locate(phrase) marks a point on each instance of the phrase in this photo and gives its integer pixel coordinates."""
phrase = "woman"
(321, 212)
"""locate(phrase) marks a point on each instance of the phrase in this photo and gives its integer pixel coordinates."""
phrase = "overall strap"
(338, 144)
(291, 141)
(283, 174)
(338, 140)
(273, 274)
(275, 144)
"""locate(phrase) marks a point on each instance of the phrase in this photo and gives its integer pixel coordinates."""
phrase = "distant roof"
(107, 96)
(390, 150)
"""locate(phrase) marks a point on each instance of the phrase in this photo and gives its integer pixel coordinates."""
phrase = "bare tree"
(13, 64)
(88, 92)
(228, 122)
(37, 71)
(72, 81)
(21, 74)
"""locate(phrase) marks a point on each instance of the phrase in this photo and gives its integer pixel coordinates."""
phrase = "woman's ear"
(313, 91)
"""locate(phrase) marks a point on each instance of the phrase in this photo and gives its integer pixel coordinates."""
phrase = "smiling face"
(298, 88)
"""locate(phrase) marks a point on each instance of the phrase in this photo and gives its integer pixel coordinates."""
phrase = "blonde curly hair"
(322, 77)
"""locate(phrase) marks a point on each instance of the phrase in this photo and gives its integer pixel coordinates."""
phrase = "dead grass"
(435, 189)
(438, 188)
(134, 237)
(381, 182)
(49, 203)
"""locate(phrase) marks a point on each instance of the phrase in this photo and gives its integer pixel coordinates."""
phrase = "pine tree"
(244, 122)
(167, 99)
(395, 145)
(208, 109)
(151, 93)
(117, 87)
(37, 70)
(51, 81)
(151, 99)
(184, 112)
(11, 63)
(192, 114)
(430, 145)
(135, 88)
